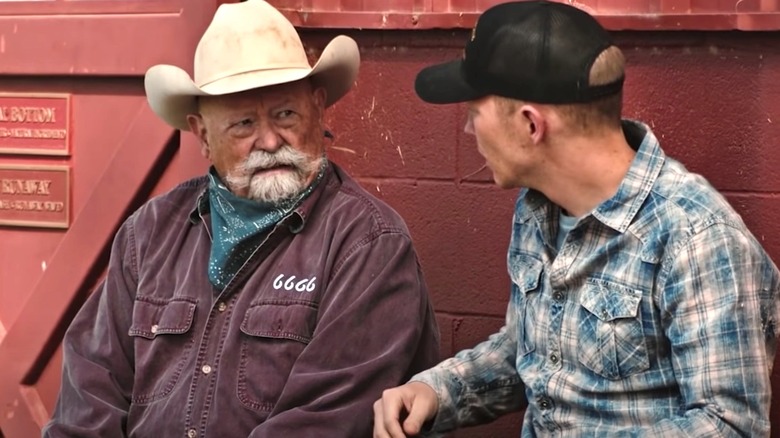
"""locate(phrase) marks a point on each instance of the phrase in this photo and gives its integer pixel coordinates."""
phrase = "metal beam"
(29, 342)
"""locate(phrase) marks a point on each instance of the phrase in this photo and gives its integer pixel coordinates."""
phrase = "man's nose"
(268, 138)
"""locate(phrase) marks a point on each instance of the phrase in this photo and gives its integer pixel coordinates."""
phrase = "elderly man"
(641, 305)
(272, 297)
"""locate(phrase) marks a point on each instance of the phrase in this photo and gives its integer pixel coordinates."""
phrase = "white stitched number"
(305, 284)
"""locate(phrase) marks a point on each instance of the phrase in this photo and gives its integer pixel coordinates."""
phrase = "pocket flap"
(609, 301)
(525, 271)
(293, 321)
(156, 317)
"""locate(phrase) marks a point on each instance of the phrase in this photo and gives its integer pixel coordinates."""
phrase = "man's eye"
(284, 114)
(242, 128)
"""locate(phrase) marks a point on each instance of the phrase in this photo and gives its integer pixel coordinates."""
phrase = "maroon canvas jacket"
(331, 310)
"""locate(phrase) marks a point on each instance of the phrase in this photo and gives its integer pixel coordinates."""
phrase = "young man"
(272, 297)
(640, 305)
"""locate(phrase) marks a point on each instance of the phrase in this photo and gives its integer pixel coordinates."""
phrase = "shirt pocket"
(162, 345)
(611, 339)
(526, 273)
(273, 336)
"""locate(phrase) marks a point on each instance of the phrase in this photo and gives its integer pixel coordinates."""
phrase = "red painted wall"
(713, 99)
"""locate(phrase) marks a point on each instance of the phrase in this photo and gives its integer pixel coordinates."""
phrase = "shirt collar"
(618, 211)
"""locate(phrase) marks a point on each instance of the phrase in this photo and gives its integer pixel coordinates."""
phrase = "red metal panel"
(120, 37)
(26, 345)
(769, 5)
(94, 52)
(614, 14)
(676, 6)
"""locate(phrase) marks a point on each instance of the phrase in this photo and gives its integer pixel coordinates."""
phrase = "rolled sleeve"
(477, 385)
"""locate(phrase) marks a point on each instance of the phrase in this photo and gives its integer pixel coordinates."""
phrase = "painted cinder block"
(461, 234)
(713, 105)
(383, 129)
(469, 331)
(760, 213)
(711, 97)
(445, 322)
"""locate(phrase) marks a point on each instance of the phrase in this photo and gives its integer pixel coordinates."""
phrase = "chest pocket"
(274, 334)
(611, 339)
(526, 274)
(162, 344)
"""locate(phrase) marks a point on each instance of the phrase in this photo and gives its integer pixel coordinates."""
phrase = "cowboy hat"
(248, 45)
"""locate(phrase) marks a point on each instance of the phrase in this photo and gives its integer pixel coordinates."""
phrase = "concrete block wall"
(713, 99)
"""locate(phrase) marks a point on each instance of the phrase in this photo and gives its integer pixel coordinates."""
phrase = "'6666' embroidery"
(293, 283)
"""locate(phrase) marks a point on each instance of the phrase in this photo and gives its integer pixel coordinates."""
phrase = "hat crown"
(246, 37)
(532, 50)
(540, 51)
(248, 45)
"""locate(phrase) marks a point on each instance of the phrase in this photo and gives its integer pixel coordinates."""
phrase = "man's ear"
(198, 127)
(534, 122)
(319, 95)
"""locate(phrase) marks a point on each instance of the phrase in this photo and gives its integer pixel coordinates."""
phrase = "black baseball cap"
(535, 51)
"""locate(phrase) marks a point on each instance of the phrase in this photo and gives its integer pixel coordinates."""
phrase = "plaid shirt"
(655, 318)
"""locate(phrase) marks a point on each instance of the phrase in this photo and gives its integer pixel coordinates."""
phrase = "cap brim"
(445, 83)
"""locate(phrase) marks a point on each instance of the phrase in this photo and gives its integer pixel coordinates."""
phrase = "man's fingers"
(423, 407)
(415, 420)
(387, 411)
(379, 425)
(417, 399)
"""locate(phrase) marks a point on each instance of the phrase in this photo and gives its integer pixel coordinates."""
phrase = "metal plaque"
(35, 196)
(35, 124)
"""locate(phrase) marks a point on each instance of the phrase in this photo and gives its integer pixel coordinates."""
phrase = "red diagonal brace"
(39, 323)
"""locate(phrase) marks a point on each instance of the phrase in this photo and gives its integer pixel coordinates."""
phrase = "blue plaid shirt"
(656, 317)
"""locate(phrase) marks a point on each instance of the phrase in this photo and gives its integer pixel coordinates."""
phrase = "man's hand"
(416, 398)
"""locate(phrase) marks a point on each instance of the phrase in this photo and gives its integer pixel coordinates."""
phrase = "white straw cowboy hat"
(248, 45)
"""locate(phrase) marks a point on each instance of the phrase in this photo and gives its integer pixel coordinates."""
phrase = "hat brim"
(172, 94)
(445, 83)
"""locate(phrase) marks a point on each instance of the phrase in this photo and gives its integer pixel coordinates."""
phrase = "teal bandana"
(239, 225)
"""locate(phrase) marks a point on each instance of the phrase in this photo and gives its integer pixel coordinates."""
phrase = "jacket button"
(192, 433)
(221, 306)
(155, 328)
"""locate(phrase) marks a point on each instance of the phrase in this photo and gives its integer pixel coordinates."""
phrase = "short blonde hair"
(588, 117)
(601, 113)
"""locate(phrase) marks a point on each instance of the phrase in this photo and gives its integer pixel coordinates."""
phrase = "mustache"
(260, 160)
(285, 156)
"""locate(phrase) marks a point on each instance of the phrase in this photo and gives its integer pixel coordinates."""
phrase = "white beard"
(282, 184)
(277, 187)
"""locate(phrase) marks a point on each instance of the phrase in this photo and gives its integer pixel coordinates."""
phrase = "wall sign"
(35, 196)
(35, 124)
